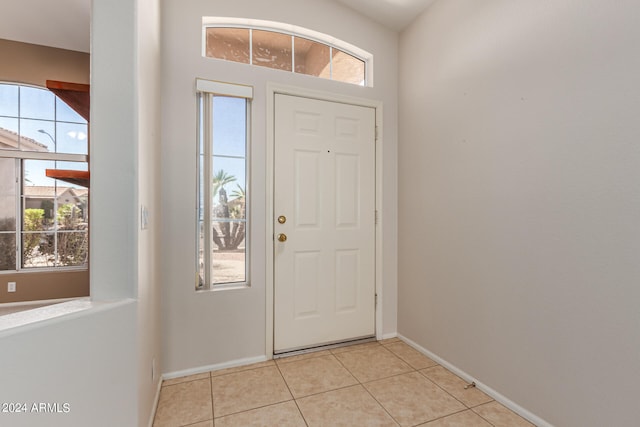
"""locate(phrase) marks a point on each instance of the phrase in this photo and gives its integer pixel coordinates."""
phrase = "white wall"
(202, 329)
(125, 117)
(518, 227)
(113, 150)
(98, 361)
(101, 361)
(86, 360)
(148, 70)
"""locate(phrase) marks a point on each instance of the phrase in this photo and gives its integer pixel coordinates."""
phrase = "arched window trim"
(291, 30)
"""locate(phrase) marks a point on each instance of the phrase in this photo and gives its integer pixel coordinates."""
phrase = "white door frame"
(272, 90)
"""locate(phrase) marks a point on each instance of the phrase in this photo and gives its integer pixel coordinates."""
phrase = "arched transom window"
(287, 48)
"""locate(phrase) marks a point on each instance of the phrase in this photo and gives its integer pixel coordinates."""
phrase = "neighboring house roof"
(11, 140)
(41, 191)
(49, 192)
(80, 192)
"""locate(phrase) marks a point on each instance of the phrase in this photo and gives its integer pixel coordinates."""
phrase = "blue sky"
(229, 138)
(32, 112)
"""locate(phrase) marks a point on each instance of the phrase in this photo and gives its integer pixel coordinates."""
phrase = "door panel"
(347, 280)
(348, 191)
(306, 273)
(307, 188)
(325, 187)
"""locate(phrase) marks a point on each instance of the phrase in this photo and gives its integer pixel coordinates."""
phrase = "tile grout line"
(213, 415)
(197, 422)
(376, 379)
(183, 382)
(239, 370)
(466, 407)
(359, 383)
(445, 416)
(254, 409)
(381, 405)
(470, 408)
(450, 394)
(309, 357)
(492, 424)
(363, 347)
(442, 388)
(257, 407)
(326, 391)
(368, 392)
(291, 393)
(374, 398)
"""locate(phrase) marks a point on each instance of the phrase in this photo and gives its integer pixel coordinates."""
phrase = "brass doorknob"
(282, 237)
(282, 219)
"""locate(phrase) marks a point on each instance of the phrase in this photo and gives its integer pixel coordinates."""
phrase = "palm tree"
(220, 179)
(229, 237)
(238, 193)
(238, 211)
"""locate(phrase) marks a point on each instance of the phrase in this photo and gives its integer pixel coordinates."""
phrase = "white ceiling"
(56, 23)
(65, 23)
(394, 14)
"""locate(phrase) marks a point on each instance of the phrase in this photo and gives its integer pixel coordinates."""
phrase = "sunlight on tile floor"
(385, 383)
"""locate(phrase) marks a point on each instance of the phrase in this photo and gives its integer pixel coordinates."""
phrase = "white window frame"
(19, 157)
(206, 90)
(291, 30)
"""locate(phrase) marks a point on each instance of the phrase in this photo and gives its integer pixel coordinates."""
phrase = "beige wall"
(42, 286)
(519, 235)
(33, 64)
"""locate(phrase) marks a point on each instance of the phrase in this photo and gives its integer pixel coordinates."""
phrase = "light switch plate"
(144, 217)
(11, 286)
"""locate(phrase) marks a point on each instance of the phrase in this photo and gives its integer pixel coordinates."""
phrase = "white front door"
(324, 204)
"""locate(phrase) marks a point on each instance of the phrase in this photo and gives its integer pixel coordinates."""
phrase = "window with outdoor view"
(222, 228)
(43, 221)
(296, 50)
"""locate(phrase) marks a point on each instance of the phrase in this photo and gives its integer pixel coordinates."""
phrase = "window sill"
(230, 287)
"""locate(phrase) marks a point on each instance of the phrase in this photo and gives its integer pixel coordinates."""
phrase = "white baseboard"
(154, 408)
(389, 336)
(483, 387)
(216, 367)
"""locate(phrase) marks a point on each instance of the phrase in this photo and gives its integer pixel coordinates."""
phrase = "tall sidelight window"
(223, 185)
(43, 221)
(287, 48)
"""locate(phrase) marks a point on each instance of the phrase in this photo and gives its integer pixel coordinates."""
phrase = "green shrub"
(72, 246)
(7, 244)
(33, 221)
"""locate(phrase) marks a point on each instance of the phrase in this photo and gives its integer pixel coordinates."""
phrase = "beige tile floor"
(385, 383)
